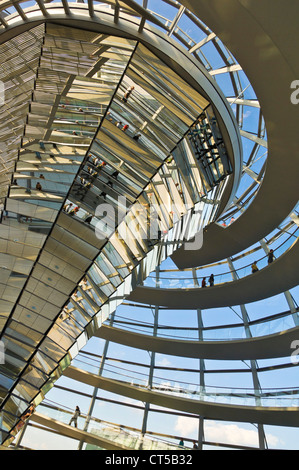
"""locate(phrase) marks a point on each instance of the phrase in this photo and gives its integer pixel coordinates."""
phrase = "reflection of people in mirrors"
(127, 94)
(29, 412)
(74, 211)
(88, 219)
(95, 161)
(4, 212)
(67, 207)
(108, 116)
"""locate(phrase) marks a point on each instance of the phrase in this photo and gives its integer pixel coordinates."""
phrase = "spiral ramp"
(219, 359)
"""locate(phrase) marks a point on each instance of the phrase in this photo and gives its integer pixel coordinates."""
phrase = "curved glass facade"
(143, 107)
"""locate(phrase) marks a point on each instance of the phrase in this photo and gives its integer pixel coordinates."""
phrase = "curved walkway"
(254, 414)
(262, 347)
(271, 64)
(105, 434)
(278, 277)
(75, 433)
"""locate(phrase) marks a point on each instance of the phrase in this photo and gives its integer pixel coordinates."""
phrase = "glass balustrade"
(264, 327)
(111, 432)
(185, 279)
(268, 397)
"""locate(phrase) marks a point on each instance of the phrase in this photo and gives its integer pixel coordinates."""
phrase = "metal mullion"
(19, 10)
(202, 368)
(42, 7)
(152, 362)
(116, 11)
(97, 290)
(95, 390)
(253, 365)
(88, 299)
(176, 20)
(66, 7)
(90, 7)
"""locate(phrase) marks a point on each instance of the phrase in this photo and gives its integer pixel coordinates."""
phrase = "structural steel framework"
(131, 137)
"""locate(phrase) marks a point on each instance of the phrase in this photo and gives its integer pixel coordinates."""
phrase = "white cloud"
(163, 362)
(222, 433)
(230, 434)
(186, 426)
(234, 434)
